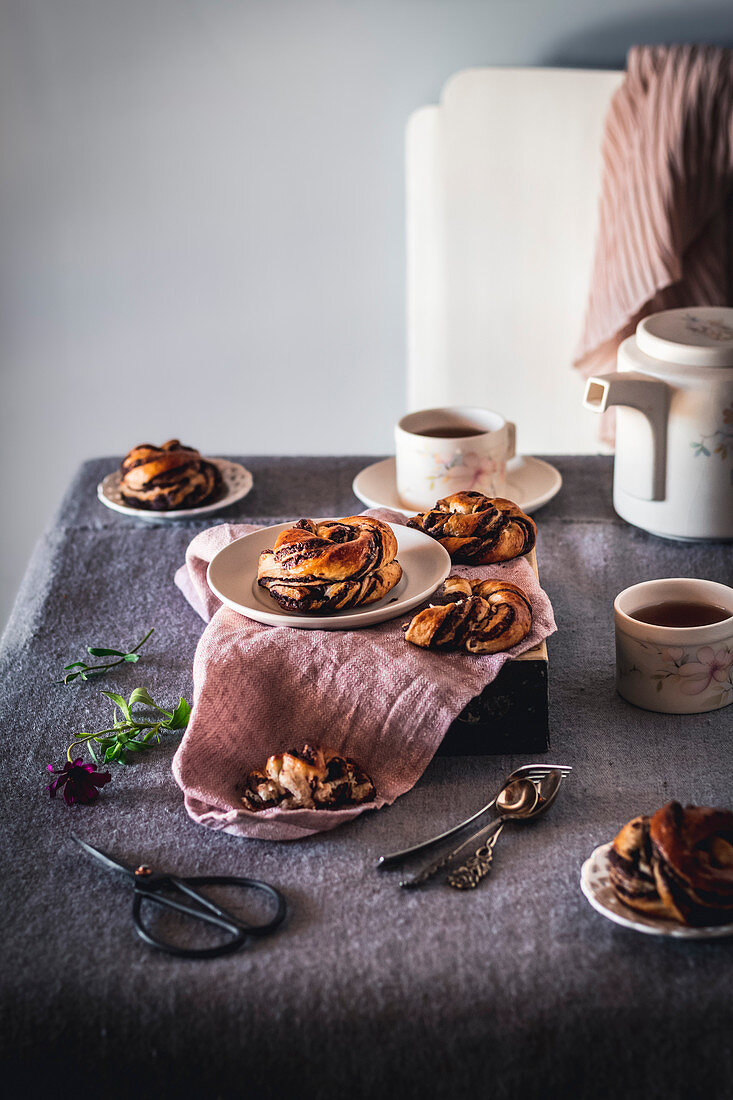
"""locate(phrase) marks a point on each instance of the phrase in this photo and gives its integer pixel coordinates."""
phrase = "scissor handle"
(210, 912)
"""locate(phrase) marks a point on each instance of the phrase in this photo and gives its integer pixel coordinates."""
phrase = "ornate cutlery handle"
(476, 867)
(427, 872)
(436, 864)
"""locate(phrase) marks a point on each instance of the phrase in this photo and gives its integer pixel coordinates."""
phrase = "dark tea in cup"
(680, 613)
(450, 433)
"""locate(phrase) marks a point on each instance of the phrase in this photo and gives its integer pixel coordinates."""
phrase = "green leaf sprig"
(130, 734)
(83, 670)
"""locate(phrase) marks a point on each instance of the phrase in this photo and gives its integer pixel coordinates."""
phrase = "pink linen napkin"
(366, 693)
(667, 178)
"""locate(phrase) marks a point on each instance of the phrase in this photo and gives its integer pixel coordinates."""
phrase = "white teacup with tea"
(444, 450)
(674, 645)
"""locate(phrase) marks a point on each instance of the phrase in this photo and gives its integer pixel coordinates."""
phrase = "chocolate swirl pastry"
(330, 566)
(336, 550)
(164, 478)
(677, 864)
(314, 596)
(479, 617)
(631, 871)
(478, 530)
(313, 779)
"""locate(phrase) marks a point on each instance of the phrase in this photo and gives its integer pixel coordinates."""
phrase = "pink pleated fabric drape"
(667, 178)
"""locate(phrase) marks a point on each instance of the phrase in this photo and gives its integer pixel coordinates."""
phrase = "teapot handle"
(651, 397)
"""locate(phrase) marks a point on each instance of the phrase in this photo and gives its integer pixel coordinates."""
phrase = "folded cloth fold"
(366, 693)
(667, 178)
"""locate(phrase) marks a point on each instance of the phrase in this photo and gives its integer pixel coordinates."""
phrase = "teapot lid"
(699, 336)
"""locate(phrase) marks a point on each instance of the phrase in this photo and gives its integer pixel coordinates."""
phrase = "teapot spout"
(651, 397)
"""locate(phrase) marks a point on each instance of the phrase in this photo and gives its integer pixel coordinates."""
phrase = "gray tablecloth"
(517, 989)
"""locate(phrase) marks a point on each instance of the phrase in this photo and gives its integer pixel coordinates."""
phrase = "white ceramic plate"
(596, 885)
(530, 484)
(232, 576)
(237, 483)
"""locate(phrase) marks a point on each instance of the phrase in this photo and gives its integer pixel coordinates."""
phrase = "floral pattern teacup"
(431, 466)
(676, 670)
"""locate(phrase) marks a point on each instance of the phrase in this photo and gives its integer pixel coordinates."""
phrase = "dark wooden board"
(511, 714)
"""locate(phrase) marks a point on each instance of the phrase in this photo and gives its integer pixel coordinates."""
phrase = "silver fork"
(527, 771)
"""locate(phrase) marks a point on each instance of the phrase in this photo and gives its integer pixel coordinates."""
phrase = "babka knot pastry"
(478, 530)
(476, 616)
(330, 566)
(167, 477)
(677, 864)
(312, 778)
(631, 869)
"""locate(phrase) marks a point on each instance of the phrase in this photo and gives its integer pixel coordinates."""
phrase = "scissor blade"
(109, 861)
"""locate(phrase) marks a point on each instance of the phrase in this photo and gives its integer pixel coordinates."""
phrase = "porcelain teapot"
(673, 473)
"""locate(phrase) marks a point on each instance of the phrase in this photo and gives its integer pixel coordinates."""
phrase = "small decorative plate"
(596, 885)
(232, 576)
(531, 482)
(237, 483)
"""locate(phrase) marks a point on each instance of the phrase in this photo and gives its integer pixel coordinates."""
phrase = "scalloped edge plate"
(237, 483)
(596, 885)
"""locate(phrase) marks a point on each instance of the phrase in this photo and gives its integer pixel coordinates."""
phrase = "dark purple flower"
(79, 780)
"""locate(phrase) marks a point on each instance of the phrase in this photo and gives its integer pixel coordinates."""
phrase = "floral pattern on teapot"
(713, 330)
(719, 441)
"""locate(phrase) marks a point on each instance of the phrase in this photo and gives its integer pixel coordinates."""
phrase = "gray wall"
(202, 217)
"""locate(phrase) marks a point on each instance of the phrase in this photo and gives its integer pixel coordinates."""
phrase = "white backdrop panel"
(502, 195)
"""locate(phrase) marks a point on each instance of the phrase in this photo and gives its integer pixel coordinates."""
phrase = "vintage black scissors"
(149, 885)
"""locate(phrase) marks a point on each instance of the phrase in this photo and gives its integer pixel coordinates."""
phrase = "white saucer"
(530, 484)
(232, 576)
(237, 483)
(596, 885)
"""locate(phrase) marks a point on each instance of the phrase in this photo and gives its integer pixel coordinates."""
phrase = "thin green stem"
(148, 729)
(105, 667)
(80, 738)
(121, 660)
(139, 644)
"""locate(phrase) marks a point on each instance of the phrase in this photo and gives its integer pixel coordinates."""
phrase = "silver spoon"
(477, 866)
(517, 799)
(527, 771)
